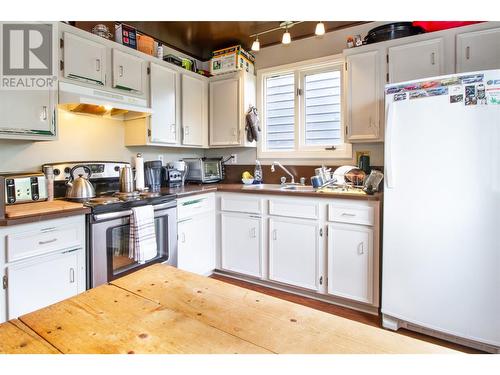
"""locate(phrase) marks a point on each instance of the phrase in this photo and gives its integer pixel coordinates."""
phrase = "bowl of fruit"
(247, 178)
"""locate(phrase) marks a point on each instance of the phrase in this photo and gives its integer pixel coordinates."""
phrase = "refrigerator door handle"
(389, 178)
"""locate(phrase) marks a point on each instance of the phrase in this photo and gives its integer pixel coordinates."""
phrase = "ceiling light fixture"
(320, 29)
(287, 38)
(256, 44)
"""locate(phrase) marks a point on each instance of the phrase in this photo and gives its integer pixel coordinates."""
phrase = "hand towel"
(142, 245)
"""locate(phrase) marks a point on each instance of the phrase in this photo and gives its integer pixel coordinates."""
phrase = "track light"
(320, 29)
(287, 38)
(256, 44)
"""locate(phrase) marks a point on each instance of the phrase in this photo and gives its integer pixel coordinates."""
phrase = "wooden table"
(161, 309)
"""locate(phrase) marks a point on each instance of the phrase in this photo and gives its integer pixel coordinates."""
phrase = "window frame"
(301, 150)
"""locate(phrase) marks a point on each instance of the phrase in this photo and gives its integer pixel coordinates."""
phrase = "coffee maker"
(152, 175)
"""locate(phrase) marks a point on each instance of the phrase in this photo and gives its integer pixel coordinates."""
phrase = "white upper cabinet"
(128, 71)
(224, 112)
(364, 95)
(416, 60)
(84, 59)
(294, 252)
(478, 50)
(194, 122)
(350, 262)
(230, 96)
(164, 103)
(36, 120)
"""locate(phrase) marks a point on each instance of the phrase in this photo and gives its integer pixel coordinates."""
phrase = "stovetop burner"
(125, 201)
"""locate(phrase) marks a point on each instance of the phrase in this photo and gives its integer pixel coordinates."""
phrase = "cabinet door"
(128, 71)
(42, 281)
(241, 245)
(84, 59)
(196, 245)
(416, 60)
(224, 112)
(350, 262)
(294, 252)
(27, 113)
(193, 96)
(163, 121)
(364, 95)
(478, 50)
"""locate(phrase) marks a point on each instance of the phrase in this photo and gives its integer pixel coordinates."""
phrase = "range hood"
(90, 101)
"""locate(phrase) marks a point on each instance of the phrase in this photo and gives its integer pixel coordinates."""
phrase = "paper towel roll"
(139, 172)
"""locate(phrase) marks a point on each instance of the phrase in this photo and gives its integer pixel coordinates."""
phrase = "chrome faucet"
(273, 169)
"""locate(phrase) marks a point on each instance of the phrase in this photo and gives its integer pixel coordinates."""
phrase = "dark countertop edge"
(42, 217)
(236, 188)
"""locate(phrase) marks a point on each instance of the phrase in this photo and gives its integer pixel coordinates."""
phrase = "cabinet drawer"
(294, 208)
(351, 214)
(190, 206)
(238, 203)
(42, 241)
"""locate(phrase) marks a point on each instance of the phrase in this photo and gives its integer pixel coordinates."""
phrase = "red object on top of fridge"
(430, 26)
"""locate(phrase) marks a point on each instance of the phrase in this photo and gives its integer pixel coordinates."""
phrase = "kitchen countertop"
(192, 189)
(55, 214)
(161, 309)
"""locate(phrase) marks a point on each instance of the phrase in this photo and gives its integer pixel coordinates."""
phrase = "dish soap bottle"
(257, 173)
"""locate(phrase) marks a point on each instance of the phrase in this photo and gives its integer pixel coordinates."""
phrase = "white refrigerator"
(441, 236)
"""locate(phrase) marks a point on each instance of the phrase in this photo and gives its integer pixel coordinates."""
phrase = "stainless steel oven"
(108, 243)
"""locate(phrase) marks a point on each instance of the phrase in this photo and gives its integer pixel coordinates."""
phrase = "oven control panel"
(99, 169)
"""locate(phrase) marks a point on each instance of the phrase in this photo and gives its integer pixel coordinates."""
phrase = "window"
(301, 110)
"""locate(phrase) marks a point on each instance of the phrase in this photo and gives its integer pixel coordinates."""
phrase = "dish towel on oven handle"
(142, 244)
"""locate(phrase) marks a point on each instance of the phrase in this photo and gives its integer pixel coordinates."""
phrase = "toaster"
(24, 187)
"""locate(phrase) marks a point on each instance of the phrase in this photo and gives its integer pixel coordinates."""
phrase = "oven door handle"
(126, 213)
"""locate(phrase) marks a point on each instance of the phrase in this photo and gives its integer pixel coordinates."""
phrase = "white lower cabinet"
(196, 234)
(350, 261)
(41, 263)
(294, 252)
(323, 248)
(44, 280)
(240, 243)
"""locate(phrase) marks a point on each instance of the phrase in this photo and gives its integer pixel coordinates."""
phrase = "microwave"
(204, 170)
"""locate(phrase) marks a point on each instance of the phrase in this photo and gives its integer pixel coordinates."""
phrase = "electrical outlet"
(160, 158)
(234, 158)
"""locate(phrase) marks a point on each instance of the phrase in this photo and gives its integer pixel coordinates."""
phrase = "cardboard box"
(231, 59)
(146, 44)
(126, 35)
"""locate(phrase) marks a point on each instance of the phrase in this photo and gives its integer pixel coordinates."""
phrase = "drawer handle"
(71, 275)
(44, 113)
(121, 70)
(348, 214)
(97, 65)
(467, 52)
(183, 237)
(46, 242)
(275, 234)
(433, 58)
(361, 249)
(253, 233)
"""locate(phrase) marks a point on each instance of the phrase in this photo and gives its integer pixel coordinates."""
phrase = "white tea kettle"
(79, 189)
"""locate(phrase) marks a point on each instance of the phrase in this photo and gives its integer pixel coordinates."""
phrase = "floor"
(344, 312)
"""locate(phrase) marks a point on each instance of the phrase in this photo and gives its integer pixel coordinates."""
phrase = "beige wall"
(304, 49)
(80, 138)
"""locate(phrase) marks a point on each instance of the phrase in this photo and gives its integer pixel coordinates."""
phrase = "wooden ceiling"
(200, 38)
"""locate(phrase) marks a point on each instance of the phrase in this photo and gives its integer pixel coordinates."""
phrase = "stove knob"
(117, 168)
(67, 170)
(57, 172)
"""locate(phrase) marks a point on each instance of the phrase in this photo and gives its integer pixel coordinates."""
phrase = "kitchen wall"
(304, 49)
(81, 138)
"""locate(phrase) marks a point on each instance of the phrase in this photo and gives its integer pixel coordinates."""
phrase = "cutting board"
(39, 208)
